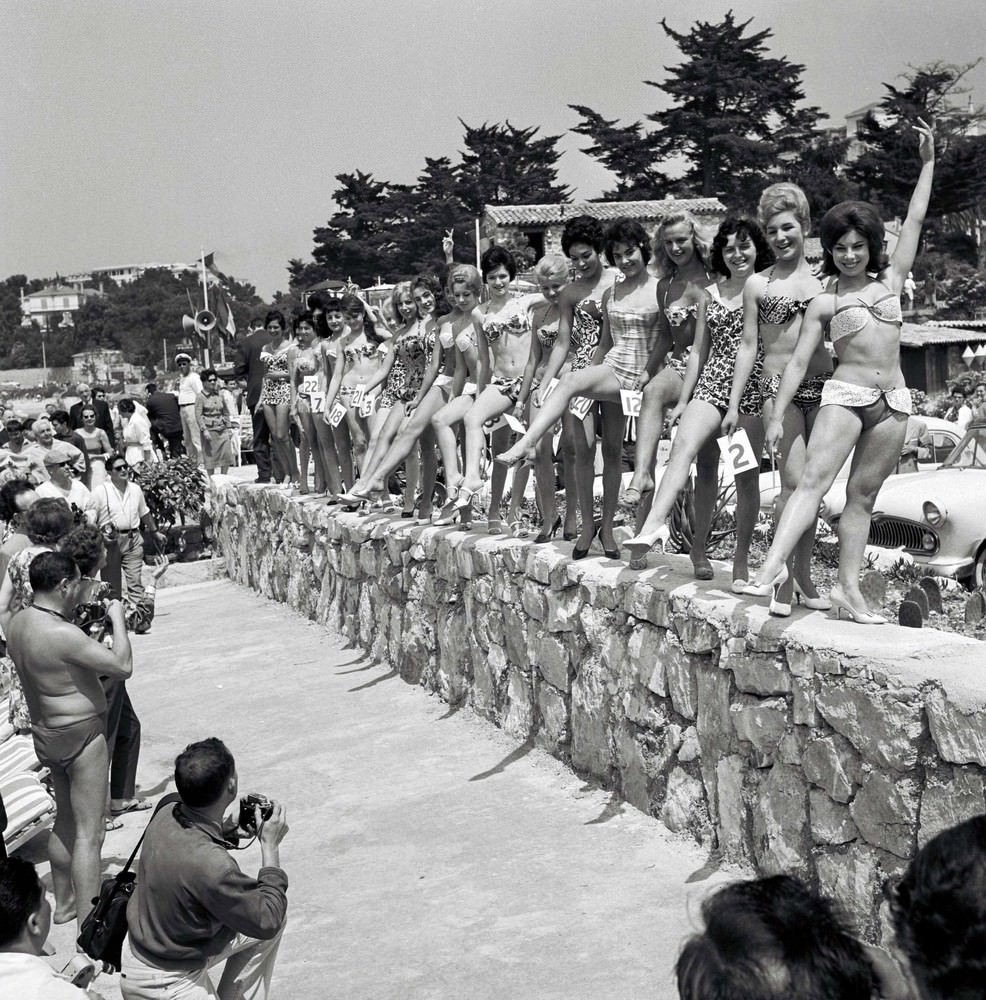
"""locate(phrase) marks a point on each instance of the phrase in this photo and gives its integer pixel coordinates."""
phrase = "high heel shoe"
(578, 553)
(767, 589)
(702, 568)
(547, 534)
(811, 603)
(464, 498)
(569, 536)
(840, 603)
(739, 586)
(639, 547)
(778, 608)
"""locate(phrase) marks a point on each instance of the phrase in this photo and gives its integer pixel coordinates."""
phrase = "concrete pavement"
(429, 856)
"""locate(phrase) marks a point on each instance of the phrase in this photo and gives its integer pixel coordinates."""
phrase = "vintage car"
(939, 517)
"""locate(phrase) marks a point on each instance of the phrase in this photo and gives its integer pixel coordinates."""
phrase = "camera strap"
(166, 800)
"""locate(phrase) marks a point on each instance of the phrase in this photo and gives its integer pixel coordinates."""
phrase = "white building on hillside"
(53, 305)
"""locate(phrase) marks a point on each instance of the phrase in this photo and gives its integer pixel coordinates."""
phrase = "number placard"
(336, 414)
(367, 405)
(737, 452)
(580, 407)
(356, 399)
(309, 385)
(514, 424)
(631, 400)
(317, 401)
(547, 390)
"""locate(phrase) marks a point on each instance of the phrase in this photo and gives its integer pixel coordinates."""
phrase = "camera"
(248, 811)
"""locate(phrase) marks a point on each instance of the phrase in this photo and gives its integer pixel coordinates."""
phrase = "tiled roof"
(532, 215)
(912, 335)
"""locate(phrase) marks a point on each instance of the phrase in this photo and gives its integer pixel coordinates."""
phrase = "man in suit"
(104, 418)
(165, 417)
(249, 366)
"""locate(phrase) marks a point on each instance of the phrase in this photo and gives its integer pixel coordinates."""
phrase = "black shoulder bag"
(103, 931)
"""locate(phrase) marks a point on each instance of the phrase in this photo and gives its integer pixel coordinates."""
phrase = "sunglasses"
(118, 468)
(212, 380)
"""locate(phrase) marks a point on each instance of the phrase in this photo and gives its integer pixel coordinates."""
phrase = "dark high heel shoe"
(569, 536)
(578, 553)
(547, 534)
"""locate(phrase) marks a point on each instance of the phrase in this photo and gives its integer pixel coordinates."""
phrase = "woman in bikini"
(404, 371)
(629, 335)
(866, 406)
(504, 325)
(773, 305)
(680, 260)
(738, 250)
(551, 272)
(330, 328)
(446, 378)
(580, 325)
(362, 352)
(277, 393)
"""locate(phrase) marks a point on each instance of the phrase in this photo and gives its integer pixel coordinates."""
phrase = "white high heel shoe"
(811, 603)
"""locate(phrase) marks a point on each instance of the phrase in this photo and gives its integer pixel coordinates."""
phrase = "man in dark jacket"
(249, 366)
(165, 417)
(104, 418)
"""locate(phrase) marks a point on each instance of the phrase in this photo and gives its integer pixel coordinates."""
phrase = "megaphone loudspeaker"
(204, 321)
(188, 324)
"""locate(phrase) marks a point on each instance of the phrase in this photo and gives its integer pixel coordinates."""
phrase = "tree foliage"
(735, 112)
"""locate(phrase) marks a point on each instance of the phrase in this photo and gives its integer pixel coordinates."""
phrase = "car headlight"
(928, 541)
(935, 512)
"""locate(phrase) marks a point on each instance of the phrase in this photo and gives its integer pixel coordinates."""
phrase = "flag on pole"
(225, 324)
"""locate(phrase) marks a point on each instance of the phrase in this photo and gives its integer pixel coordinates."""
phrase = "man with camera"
(60, 669)
(193, 908)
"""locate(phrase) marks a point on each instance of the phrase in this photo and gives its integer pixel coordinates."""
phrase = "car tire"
(979, 569)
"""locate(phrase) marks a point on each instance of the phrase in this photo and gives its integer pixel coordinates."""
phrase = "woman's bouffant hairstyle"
(663, 264)
(939, 913)
(126, 405)
(862, 217)
(303, 317)
(48, 521)
(9, 493)
(551, 267)
(628, 232)
(582, 229)
(772, 939)
(275, 315)
(401, 289)
(498, 257)
(739, 227)
(464, 274)
(784, 197)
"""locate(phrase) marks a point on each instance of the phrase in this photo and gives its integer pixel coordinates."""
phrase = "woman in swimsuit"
(306, 363)
(629, 334)
(277, 393)
(445, 378)
(866, 407)
(580, 324)
(404, 370)
(680, 259)
(504, 325)
(773, 305)
(738, 250)
(362, 351)
(330, 327)
(551, 272)
(97, 445)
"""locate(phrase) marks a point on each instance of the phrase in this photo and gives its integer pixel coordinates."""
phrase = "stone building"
(542, 225)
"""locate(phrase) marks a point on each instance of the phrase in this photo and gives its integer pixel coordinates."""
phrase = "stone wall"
(807, 745)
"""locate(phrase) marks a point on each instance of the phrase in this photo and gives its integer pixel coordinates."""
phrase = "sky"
(137, 131)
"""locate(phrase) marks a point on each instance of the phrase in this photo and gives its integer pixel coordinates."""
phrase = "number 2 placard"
(737, 452)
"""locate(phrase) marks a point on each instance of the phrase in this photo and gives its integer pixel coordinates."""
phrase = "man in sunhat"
(62, 484)
(189, 389)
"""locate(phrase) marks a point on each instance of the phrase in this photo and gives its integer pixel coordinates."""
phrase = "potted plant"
(175, 493)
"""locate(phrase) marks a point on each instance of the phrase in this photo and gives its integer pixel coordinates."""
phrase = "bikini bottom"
(509, 387)
(808, 395)
(871, 404)
(678, 365)
(58, 748)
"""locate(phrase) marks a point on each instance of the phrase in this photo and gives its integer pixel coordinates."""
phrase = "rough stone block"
(801, 662)
(542, 563)
(464, 562)
(780, 822)
(644, 649)
(648, 603)
(369, 561)
(733, 822)
(831, 822)
(680, 670)
(690, 748)
(515, 636)
(762, 722)
(713, 716)
(950, 796)
(959, 730)
(833, 765)
(803, 702)
(603, 588)
(349, 563)
(760, 673)
(550, 655)
(591, 724)
(854, 878)
(885, 726)
(634, 783)
(553, 733)
(685, 808)
(886, 811)
(563, 609)
(518, 713)
(487, 672)
(643, 709)
(792, 746)
(696, 634)
(535, 601)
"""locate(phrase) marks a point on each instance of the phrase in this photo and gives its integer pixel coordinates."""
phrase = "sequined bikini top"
(850, 319)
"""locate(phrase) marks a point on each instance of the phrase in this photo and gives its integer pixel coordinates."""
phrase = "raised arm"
(910, 231)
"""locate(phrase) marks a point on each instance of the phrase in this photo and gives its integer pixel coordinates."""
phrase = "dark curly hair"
(772, 939)
(629, 232)
(85, 545)
(862, 217)
(582, 229)
(48, 521)
(939, 913)
(739, 226)
(498, 257)
(9, 493)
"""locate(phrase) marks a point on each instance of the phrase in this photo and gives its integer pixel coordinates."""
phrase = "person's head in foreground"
(773, 939)
(939, 914)
(205, 775)
(25, 913)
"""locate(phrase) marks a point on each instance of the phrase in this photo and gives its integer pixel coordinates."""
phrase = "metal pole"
(478, 265)
(44, 353)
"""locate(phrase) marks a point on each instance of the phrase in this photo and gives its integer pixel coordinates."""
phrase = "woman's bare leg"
(442, 423)
(418, 425)
(662, 391)
(584, 472)
(490, 405)
(747, 500)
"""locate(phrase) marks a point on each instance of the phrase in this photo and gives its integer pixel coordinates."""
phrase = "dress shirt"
(29, 977)
(121, 510)
(76, 495)
(189, 387)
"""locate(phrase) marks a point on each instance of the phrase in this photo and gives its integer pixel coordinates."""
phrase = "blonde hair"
(465, 274)
(400, 289)
(551, 266)
(784, 197)
(662, 264)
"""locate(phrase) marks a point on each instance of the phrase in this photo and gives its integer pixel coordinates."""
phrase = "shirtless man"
(60, 669)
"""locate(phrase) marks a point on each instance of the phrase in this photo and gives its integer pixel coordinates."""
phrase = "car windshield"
(970, 452)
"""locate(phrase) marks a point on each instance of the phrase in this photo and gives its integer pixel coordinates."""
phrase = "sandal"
(518, 529)
(113, 824)
(494, 526)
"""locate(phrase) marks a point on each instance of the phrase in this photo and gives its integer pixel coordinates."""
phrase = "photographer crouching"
(193, 908)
